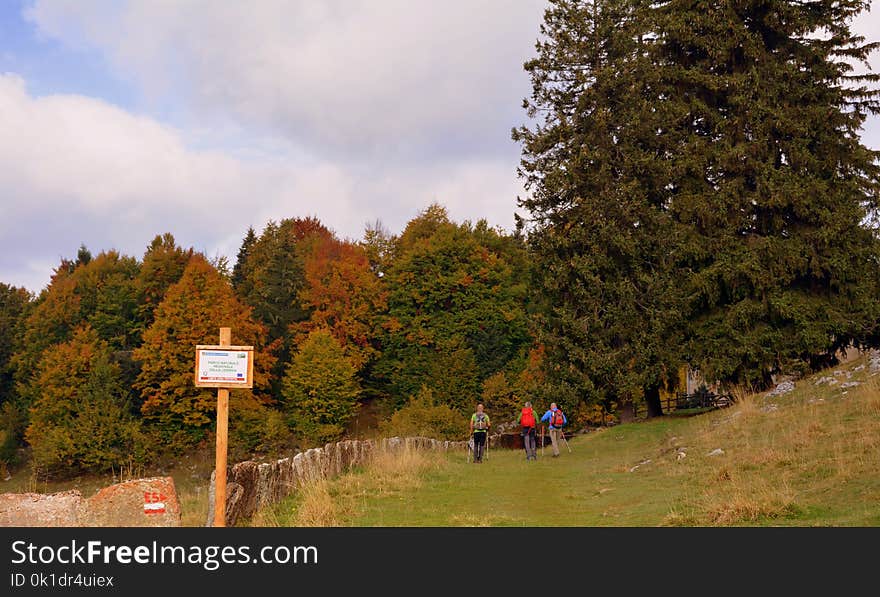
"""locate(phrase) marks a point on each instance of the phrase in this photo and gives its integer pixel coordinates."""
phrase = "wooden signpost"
(223, 366)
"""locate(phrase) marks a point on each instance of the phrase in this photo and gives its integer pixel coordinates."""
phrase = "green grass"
(807, 458)
(586, 487)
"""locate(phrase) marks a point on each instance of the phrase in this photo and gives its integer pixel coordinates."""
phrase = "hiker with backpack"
(480, 430)
(556, 420)
(528, 421)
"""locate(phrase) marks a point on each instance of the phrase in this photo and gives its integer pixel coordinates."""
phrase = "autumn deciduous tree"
(192, 312)
(321, 388)
(344, 296)
(99, 291)
(81, 420)
(163, 264)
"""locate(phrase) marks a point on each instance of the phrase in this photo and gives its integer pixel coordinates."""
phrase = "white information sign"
(224, 367)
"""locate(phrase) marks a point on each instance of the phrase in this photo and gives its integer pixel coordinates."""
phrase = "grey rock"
(783, 388)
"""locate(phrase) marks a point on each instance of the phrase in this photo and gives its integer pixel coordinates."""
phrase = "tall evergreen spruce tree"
(269, 275)
(238, 270)
(771, 181)
(698, 187)
(601, 238)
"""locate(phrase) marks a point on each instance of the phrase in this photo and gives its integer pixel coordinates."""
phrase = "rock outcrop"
(148, 502)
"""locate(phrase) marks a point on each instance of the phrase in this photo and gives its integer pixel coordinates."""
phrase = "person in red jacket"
(529, 422)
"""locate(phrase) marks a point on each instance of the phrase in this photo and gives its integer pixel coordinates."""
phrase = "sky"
(124, 119)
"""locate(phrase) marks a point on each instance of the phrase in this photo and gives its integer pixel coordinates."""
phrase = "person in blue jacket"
(556, 420)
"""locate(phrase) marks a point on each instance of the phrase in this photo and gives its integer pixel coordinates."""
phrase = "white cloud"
(78, 170)
(352, 77)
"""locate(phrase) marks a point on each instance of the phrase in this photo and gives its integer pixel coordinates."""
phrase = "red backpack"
(557, 420)
(528, 417)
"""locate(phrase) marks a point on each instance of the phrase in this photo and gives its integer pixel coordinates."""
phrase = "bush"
(92, 429)
(12, 424)
(256, 428)
(422, 416)
(591, 415)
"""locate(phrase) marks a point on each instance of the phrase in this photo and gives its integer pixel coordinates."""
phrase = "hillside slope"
(804, 457)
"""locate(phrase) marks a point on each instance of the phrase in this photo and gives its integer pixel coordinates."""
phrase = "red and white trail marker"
(154, 502)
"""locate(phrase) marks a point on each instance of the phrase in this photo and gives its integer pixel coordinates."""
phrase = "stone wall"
(140, 503)
(251, 486)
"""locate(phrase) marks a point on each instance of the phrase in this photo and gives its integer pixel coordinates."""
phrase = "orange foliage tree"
(344, 296)
(191, 313)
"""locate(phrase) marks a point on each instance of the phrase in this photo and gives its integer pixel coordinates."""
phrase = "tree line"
(697, 193)
(98, 368)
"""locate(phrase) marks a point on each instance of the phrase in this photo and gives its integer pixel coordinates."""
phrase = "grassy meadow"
(810, 457)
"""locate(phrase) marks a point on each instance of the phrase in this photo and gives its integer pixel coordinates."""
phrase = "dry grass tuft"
(317, 508)
(756, 504)
(329, 503)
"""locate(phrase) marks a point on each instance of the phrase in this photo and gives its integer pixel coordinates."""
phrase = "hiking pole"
(542, 441)
(565, 440)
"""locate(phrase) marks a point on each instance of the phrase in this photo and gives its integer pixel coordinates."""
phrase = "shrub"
(90, 428)
(256, 428)
(422, 416)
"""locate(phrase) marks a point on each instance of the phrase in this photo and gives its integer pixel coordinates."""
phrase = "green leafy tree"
(321, 388)
(454, 304)
(161, 267)
(107, 288)
(15, 304)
